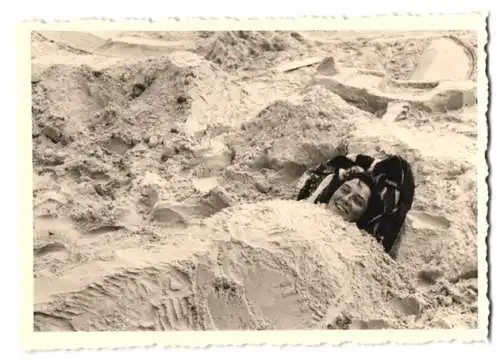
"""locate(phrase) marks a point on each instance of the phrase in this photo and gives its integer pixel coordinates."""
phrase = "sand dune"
(164, 166)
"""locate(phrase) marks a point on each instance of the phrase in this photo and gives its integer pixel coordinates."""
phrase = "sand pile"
(242, 49)
(94, 127)
(270, 265)
(182, 85)
(272, 150)
(158, 184)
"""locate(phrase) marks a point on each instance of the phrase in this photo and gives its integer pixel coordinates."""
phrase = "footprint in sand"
(422, 220)
(48, 248)
(409, 306)
(117, 145)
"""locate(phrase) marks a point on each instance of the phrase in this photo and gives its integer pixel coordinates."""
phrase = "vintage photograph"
(256, 180)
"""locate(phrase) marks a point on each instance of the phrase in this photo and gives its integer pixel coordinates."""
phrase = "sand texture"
(165, 166)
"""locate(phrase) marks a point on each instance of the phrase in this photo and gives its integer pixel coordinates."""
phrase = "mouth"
(341, 208)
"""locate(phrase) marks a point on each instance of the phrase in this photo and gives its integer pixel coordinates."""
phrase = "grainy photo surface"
(252, 180)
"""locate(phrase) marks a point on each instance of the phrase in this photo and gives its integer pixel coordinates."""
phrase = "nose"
(345, 199)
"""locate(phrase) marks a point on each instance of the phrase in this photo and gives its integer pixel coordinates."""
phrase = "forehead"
(358, 186)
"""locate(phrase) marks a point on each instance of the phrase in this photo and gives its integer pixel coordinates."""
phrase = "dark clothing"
(394, 182)
(396, 179)
(317, 174)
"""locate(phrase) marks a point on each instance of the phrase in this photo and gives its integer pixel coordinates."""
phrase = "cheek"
(357, 210)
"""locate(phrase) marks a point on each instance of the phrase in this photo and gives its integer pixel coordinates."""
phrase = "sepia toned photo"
(257, 180)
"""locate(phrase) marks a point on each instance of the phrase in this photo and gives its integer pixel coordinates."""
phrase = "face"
(351, 199)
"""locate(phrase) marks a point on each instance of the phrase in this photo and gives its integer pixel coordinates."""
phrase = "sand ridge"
(163, 168)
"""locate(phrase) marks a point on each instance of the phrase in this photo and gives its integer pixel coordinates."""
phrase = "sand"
(165, 167)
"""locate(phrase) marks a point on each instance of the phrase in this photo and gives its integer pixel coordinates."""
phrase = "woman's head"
(351, 199)
(355, 197)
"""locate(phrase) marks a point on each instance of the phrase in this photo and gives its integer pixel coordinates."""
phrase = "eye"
(358, 201)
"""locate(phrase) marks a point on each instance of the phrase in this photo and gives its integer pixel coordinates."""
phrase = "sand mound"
(260, 271)
(274, 148)
(304, 130)
(103, 115)
(236, 49)
(122, 94)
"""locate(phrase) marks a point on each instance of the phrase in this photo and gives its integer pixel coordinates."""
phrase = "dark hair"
(375, 203)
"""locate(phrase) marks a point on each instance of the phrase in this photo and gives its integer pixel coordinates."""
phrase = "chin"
(343, 215)
(348, 217)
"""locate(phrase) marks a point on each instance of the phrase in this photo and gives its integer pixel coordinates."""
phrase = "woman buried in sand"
(376, 194)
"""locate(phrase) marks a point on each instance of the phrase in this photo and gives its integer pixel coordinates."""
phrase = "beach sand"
(165, 165)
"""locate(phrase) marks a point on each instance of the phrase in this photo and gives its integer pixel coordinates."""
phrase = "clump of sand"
(160, 181)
